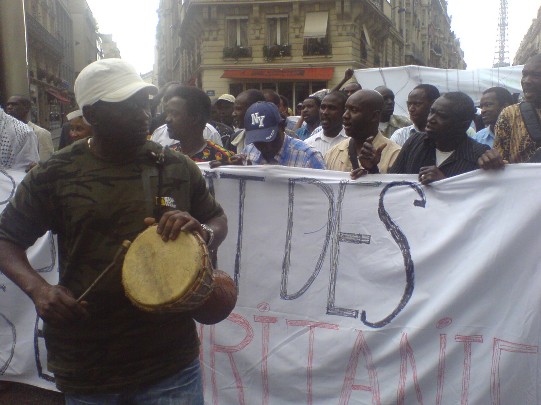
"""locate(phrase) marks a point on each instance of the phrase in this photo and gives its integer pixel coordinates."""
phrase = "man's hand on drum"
(56, 305)
(172, 222)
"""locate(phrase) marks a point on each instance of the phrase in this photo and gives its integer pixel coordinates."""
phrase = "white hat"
(112, 80)
(74, 114)
(227, 97)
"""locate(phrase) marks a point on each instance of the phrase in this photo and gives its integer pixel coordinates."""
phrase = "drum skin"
(220, 302)
(173, 276)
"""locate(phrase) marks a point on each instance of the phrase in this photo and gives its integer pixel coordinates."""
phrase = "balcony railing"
(37, 32)
(315, 48)
(237, 52)
(437, 50)
(276, 51)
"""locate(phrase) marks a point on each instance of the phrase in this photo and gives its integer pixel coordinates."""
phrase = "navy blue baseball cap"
(261, 122)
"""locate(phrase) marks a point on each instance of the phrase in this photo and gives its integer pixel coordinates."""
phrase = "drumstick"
(122, 249)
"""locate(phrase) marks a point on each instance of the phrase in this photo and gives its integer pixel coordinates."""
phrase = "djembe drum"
(220, 302)
(177, 276)
(173, 276)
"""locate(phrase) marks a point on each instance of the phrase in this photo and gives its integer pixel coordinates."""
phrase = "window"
(316, 41)
(364, 47)
(237, 32)
(277, 29)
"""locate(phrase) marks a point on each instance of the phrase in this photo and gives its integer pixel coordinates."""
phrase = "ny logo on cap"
(258, 120)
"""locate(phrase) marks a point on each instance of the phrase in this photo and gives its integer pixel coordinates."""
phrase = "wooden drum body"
(173, 276)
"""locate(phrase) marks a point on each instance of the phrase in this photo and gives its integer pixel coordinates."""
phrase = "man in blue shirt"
(310, 117)
(267, 142)
(493, 101)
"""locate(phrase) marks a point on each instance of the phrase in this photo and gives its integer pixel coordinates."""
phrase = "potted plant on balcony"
(275, 51)
(237, 52)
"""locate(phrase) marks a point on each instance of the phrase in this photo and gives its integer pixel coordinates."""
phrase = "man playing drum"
(95, 194)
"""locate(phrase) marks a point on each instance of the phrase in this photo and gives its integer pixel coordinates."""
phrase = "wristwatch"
(210, 232)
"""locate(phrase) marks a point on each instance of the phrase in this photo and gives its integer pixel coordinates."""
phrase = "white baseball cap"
(227, 97)
(112, 80)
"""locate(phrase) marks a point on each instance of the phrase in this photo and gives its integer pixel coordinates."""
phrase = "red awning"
(58, 96)
(277, 74)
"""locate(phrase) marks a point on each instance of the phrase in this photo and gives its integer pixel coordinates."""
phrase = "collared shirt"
(512, 139)
(419, 151)
(18, 143)
(395, 122)
(238, 140)
(293, 153)
(401, 135)
(485, 136)
(303, 133)
(161, 135)
(337, 158)
(324, 143)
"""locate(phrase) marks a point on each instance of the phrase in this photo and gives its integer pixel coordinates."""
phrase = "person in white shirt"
(18, 144)
(420, 99)
(331, 131)
(161, 135)
(19, 107)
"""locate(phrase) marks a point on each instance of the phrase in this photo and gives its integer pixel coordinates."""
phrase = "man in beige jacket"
(367, 150)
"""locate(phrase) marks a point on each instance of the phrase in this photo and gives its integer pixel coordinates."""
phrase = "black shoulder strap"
(531, 121)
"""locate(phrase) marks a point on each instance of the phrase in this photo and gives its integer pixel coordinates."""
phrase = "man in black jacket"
(445, 150)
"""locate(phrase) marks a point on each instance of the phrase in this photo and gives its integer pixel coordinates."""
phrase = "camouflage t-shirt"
(93, 205)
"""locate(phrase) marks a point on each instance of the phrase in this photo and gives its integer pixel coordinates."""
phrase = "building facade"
(55, 39)
(531, 44)
(296, 47)
(428, 38)
(109, 47)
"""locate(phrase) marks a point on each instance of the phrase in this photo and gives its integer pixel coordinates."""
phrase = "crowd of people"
(109, 182)
(355, 130)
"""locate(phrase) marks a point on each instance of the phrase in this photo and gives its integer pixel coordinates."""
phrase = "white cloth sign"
(374, 291)
(402, 80)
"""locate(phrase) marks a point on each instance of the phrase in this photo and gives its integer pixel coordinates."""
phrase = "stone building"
(531, 44)
(296, 47)
(50, 59)
(43, 61)
(109, 47)
(428, 38)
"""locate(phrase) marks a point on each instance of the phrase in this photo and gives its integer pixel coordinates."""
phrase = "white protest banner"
(376, 291)
(22, 349)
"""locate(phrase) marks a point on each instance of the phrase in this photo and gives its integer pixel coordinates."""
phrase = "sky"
(133, 25)
(475, 23)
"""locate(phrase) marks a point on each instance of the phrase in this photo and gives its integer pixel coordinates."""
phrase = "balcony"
(317, 48)
(237, 52)
(437, 50)
(276, 51)
(38, 33)
(416, 54)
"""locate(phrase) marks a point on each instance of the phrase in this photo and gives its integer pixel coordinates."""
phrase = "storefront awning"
(277, 74)
(58, 96)
(315, 24)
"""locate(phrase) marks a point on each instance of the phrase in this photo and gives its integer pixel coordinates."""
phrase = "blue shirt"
(485, 136)
(303, 132)
(293, 153)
